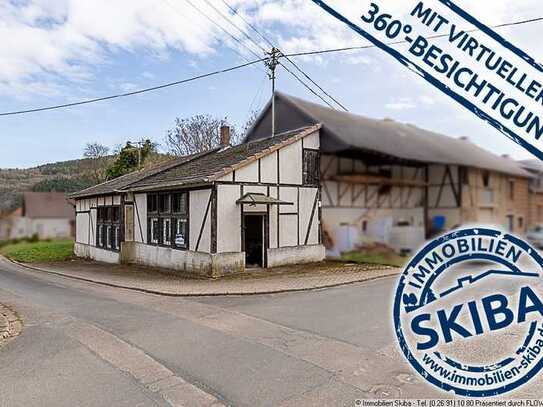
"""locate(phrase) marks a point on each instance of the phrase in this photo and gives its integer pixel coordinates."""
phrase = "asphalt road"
(88, 345)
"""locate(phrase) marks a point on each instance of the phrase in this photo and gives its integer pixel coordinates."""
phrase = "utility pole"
(139, 146)
(272, 63)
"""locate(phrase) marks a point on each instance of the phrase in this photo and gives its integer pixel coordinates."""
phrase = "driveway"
(90, 345)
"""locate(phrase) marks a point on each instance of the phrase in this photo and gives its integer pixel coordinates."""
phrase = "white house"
(47, 215)
(214, 213)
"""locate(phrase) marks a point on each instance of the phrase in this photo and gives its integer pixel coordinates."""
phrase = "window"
(152, 203)
(168, 219)
(512, 190)
(521, 222)
(311, 169)
(108, 228)
(486, 179)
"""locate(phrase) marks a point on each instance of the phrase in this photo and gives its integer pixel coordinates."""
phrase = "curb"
(215, 294)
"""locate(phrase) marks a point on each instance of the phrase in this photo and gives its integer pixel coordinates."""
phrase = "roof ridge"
(192, 158)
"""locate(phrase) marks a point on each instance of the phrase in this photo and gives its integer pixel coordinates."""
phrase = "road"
(88, 345)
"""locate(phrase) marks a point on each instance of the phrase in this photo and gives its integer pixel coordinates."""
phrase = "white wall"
(228, 219)
(290, 164)
(140, 218)
(198, 204)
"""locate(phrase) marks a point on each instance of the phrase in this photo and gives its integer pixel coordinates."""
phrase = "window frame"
(168, 214)
(109, 227)
(311, 167)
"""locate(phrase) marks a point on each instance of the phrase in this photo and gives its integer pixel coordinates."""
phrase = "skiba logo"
(468, 312)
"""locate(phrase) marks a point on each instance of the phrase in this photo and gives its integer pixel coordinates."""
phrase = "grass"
(39, 252)
(387, 259)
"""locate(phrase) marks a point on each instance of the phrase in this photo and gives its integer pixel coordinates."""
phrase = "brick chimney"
(225, 136)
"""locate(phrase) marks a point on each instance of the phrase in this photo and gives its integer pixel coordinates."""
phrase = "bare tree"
(196, 134)
(96, 155)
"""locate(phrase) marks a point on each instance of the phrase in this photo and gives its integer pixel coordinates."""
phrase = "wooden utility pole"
(272, 63)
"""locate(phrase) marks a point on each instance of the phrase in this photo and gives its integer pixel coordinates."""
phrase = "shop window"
(168, 222)
(108, 227)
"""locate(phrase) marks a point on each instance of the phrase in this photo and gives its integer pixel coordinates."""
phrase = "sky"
(62, 51)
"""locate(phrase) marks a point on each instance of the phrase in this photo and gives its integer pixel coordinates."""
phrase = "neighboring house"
(397, 183)
(535, 167)
(214, 213)
(47, 215)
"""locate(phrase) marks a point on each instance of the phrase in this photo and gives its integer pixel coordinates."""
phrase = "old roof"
(212, 166)
(342, 131)
(117, 184)
(532, 165)
(47, 205)
(200, 168)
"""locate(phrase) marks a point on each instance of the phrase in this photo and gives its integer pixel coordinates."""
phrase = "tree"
(130, 158)
(195, 135)
(96, 156)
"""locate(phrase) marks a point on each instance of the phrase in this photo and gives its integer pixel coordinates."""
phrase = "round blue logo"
(468, 312)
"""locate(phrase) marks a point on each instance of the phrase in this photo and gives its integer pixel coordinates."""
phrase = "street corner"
(11, 324)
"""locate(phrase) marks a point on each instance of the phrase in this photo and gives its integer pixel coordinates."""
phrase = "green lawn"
(388, 259)
(39, 252)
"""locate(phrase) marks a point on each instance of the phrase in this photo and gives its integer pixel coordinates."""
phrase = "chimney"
(225, 136)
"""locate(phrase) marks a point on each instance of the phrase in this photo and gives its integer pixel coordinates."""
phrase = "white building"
(47, 215)
(214, 213)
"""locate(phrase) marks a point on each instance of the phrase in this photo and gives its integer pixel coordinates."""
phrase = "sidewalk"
(282, 279)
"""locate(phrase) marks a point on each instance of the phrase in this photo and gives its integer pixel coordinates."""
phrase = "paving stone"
(291, 278)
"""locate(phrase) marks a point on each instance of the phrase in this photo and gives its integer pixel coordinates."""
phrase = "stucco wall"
(203, 264)
(95, 253)
(197, 215)
(228, 219)
(45, 228)
(295, 255)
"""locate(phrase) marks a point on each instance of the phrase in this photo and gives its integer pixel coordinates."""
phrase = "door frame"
(265, 233)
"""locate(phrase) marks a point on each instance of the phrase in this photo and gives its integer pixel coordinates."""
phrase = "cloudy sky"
(61, 51)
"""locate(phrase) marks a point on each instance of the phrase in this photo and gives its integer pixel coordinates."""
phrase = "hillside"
(64, 176)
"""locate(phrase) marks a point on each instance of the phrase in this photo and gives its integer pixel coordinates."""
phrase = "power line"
(307, 86)
(250, 63)
(136, 92)
(305, 74)
(356, 48)
(243, 57)
(223, 29)
(227, 18)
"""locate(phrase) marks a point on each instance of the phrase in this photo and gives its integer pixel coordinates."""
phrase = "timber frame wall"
(462, 194)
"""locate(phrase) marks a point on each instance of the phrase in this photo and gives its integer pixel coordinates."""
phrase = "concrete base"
(203, 264)
(91, 252)
(295, 255)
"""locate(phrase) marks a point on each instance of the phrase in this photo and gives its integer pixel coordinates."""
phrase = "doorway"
(253, 229)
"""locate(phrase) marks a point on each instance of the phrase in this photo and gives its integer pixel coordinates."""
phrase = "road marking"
(147, 371)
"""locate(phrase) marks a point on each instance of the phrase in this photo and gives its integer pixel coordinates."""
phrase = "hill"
(64, 176)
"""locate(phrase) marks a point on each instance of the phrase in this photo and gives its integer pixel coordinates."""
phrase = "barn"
(398, 184)
(213, 213)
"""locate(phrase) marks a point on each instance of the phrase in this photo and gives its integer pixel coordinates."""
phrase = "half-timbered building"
(213, 213)
(397, 183)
